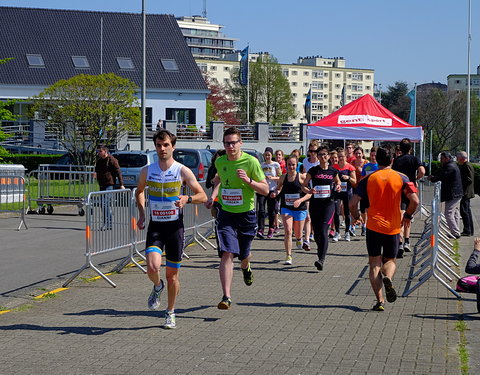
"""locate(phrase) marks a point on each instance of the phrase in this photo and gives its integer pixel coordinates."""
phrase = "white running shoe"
(154, 298)
(170, 321)
(336, 237)
(288, 260)
(299, 244)
(347, 237)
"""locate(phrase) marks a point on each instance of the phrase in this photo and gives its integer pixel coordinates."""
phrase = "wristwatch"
(189, 200)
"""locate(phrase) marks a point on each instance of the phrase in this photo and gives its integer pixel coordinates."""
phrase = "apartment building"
(327, 77)
(458, 82)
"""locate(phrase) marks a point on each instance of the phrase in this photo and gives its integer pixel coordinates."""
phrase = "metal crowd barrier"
(433, 253)
(59, 187)
(12, 196)
(111, 225)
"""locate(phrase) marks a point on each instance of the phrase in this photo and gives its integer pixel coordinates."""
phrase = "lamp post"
(467, 128)
(144, 79)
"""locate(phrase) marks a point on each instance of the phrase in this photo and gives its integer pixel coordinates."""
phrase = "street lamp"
(467, 130)
(144, 78)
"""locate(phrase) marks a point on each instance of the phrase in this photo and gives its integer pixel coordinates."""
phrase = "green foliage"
(395, 99)
(29, 161)
(270, 95)
(88, 110)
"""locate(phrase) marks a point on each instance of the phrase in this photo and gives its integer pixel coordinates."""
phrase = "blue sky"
(416, 41)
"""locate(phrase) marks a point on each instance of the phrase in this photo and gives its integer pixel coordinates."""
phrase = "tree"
(5, 113)
(86, 111)
(270, 94)
(219, 105)
(395, 99)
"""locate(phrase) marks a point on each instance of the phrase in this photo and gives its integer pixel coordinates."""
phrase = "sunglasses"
(323, 154)
(232, 143)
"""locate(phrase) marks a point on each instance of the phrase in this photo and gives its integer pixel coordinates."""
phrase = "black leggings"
(342, 197)
(321, 214)
(262, 214)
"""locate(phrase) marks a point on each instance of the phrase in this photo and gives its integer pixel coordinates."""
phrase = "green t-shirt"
(235, 195)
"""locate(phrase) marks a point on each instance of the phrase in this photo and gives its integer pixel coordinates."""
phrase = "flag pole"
(469, 39)
(248, 83)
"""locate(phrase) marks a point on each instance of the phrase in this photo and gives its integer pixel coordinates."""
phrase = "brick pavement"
(292, 320)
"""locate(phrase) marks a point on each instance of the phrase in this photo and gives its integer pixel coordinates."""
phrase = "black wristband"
(407, 216)
(189, 200)
(250, 181)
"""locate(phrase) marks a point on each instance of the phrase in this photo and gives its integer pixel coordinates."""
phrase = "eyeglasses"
(323, 154)
(232, 143)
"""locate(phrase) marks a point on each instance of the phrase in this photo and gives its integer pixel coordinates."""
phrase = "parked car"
(132, 162)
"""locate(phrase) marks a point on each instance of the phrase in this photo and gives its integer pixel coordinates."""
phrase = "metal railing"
(111, 225)
(194, 132)
(284, 133)
(433, 253)
(67, 186)
(13, 197)
(249, 132)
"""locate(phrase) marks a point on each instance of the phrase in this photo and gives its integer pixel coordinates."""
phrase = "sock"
(170, 312)
(407, 240)
(158, 287)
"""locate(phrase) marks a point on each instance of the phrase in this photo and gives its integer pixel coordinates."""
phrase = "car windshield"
(131, 160)
(188, 159)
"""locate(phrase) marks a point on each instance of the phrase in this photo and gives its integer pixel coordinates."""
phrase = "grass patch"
(461, 327)
(49, 296)
(456, 248)
(3, 308)
(25, 307)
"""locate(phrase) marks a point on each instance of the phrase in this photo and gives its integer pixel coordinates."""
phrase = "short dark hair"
(163, 134)
(232, 131)
(405, 146)
(446, 155)
(103, 146)
(384, 156)
(374, 149)
(321, 148)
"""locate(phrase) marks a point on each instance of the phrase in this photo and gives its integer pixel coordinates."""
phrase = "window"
(285, 72)
(317, 95)
(294, 106)
(125, 63)
(305, 84)
(368, 87)
(80, 62)
(325, 74)
(35, 61)
(294, 72)
(457, 81)
(213, 67)
(475, 82)
(294, 84)
(226, 68)
(317, 74)
(294, 94)
(337, 86)
(226, 80)
(203, 67)
(317, 85)
(357, 87)
(349, 75)
(305, 73)
(314, 106)
(368, 77)
(337, 75)
(181, 115)
(357, 76)
(169, 64)
(356, 96)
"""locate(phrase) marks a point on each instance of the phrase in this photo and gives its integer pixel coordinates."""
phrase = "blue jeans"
(107, 207)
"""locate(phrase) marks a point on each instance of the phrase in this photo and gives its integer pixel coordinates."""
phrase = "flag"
(243, 73)
(412, 118)
(308, 105)
(343, 99)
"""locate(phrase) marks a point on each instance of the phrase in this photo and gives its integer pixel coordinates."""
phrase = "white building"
(458, 82)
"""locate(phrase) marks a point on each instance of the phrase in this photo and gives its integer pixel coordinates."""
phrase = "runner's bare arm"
(414, 201)
(140, 197)
(260, 187)
(353, 205)
(216, 188)
(191, 181)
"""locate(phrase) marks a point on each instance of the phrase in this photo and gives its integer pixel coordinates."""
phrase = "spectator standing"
(451, 191)
(467, 175)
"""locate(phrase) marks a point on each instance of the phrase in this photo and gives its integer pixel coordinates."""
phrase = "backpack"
(467, 284)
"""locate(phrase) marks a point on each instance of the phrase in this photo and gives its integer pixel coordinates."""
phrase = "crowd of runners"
(314, 200)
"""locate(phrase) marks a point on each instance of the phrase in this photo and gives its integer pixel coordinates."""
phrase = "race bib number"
(343, 186)
(164, 211)
(232, 197)
(291, 198)
(322, 191)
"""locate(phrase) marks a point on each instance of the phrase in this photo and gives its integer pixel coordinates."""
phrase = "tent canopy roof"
(364, 119)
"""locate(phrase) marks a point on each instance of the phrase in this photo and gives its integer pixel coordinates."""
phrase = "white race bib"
(343, 185)
(322, 191)
(232, 197)
(164, 211)
(291, 198)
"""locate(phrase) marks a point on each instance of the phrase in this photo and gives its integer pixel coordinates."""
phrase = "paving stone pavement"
(292, 320)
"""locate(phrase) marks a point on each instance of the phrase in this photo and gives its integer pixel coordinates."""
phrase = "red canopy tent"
(364, 119)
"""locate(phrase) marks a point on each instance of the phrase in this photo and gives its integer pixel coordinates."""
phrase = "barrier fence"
(433, 252)
(111, 225)
(13, 196)
(48, 186)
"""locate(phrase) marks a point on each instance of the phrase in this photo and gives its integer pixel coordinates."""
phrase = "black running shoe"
(319, 265)
(247, 275)
(379, 306)
(225, 303)
(390, 292)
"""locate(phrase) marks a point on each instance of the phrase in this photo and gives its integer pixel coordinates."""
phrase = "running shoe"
(390, 292)
(288, 260)
(400, 253)
(306, 246)
(225, 303)
(342, 224)
(352, 231)
(154, 298)
(364, 230)
(270, 233)
(299, 244)
(170, 321)
(336, 237)
(379, 306)
(406, 247)
(312, 238)
(260, 235)
(276, 230)
(247, 275)
(331, 233)
(347, 236)
(319, 265)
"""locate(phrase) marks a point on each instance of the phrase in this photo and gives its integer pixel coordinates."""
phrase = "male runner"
(239, 176)
(165, 231)
(383, 189)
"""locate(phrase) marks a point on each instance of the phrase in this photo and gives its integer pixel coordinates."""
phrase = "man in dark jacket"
(451, 192)
(467, 174)
(107, 170)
